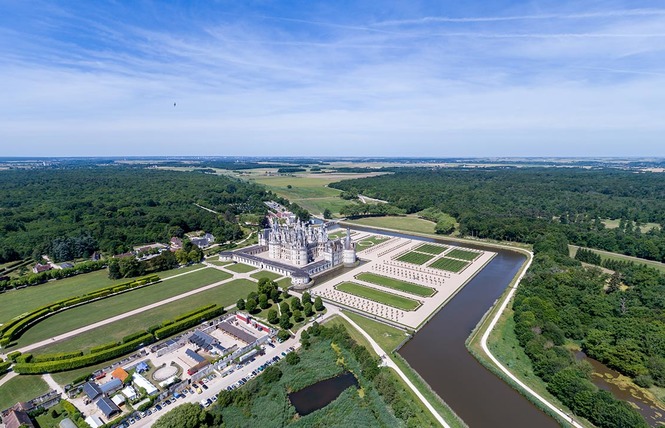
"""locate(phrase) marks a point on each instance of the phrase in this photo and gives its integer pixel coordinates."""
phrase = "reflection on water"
(319, 395)
(606, 378)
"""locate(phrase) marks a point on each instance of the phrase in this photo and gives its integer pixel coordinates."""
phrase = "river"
(438, 352)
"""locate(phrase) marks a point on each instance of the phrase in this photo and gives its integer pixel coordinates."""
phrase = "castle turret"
(349, 253)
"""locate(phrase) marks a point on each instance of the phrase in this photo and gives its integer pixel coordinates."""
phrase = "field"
(432, 249)
(379, 296)
(463, 254)
(21, 388)
(407, 224)
(415, 258)
(17, 302)
(396, 284)
(644, 228)
(240, 268)
(614, 256)
(224, 295)
(96, 311)
(449, 264)
(266, 274)
(386, 336)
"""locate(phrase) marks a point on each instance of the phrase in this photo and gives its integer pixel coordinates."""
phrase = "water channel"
(437, 352)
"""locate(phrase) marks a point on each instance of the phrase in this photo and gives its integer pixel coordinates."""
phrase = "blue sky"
(365, 78)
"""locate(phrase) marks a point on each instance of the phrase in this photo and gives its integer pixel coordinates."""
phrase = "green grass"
(224, 295)
(266, 274)
(302, 187)
(240, 268)
(284, 283)
(46, 421)
(96, 311)
(387, 337)
(613, 224)
(415, 258)
(379, 296)
(21, 388)
(449, 264)
(355, 334)
(17, 302)
(463, 254)
(606, 255)
(317, 206)
(371, 241)
(396, 284)
(65, 378)
(432, 249)
(218, 263)
(406, 224)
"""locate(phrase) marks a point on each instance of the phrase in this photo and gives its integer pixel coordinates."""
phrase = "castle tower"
(349, 253)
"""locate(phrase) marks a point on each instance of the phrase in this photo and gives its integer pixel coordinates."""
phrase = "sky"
(332, 78)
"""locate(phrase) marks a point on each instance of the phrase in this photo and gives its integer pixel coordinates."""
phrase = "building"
(111, 386)
(91, 390)
(16, 419)
(107, 407)
(176, 243)
(142, 382)
(130, 393)
(118, 400)
(94, 421)
(203, 241)
(67, 423)
(202, 340)
(39, 268)
(142, 367)
(120, 374)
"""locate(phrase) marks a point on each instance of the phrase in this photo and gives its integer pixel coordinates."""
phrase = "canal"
(438, 352)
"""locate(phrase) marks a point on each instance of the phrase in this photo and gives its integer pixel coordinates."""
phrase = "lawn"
(45, 420)
(218, 263)
(451, 265)
(266, 274)
(396, 284)
(224, 295)
(284, 283)
(432, 249)
(463, 254)
(302, 187)
(371, 241)
(317, 206)
(96, 311)
(644, 228)
(415, 258)
(21, 388)
(17, 302)
(379, 296)
(240, 268)
(386, 336)
(406, 224)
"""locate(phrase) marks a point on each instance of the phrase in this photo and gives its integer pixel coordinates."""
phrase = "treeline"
(526, 203)
(618, 320)
(71, 212)
(369, 210)
(130, 266)
(42, 277)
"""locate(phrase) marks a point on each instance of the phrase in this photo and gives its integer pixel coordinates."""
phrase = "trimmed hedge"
(25, 358)
(12, 356)
(56, 357)
(194, 312)
(83, 361)
(133, 336)
(5, 366)
(104, 347)
(188, 322)
(21, 325)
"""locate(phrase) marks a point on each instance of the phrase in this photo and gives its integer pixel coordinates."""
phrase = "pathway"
(53, 384)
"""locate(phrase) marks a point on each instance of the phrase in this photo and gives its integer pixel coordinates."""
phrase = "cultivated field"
(99, 310)
(379, 296)
(451, 265)
(463, 254)
(432, 249)
(396, 284)
(415, 258)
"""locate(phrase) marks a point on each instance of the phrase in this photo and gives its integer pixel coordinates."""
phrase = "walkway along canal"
(438, 352)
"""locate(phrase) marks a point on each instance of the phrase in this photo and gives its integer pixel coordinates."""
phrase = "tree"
(273, 318)
(318, 304)
(615, 282)
(250, 305)
(283, 335)
(297, 315)
(292, 358)
(240, 304)
(284, 308)
(182, 257)
(272, 374)
(285, 321)
(274, 295)
(114, 269)
(307, 308)
(327, 214)
(187, 415)
(295, 304)
(306, 298)
(263, 301)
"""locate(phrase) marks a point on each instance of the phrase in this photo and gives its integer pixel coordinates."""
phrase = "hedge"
(13, 355)
(83, 361)
(194, 312)
(56, 357)
(104, 347)
(25, 358)
(133, 336)
(22, 324)
(188, 322)
(5, 366)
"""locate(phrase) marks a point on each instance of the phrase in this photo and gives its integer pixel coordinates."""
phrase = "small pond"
(322, 393)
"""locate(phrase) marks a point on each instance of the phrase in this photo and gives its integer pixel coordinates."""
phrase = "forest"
(71, 212)
(521, 204)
